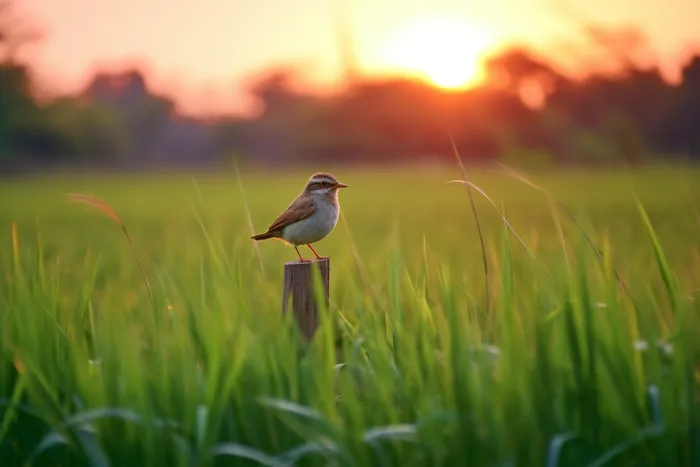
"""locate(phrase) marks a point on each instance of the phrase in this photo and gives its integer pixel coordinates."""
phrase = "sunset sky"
(205, 50)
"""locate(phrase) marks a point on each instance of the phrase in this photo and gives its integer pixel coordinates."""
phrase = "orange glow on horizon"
(203, 57)
(447, 52)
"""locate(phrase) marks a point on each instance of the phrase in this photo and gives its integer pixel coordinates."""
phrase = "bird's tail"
(263, 236)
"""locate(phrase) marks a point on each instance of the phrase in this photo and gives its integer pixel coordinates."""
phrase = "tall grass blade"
(661, 262)
(13, 406)
(49, 441)
(325, 448)
(15, 247)
(505, 221)
(246, 452)
(556, 446)
(107, 210)
(298, 411)
(640, 436)
(476, 220)
(403, 432)
(91, 447)
(249, 218)
(515, 174)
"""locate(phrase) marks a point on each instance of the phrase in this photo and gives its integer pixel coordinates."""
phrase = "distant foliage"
(527, 107)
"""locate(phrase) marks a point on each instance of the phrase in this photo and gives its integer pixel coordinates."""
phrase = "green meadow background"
(414, 363)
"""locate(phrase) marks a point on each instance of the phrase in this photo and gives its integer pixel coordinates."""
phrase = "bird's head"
(322, 183)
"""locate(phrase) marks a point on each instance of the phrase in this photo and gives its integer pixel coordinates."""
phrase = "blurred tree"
(67, 129)
(518, 68)
(529, 108)
(288, 121)
(276, 91)
(17, 107)
(141, 113)
(15, 33)
(601, 118)
(641, 95)
(681, 125)
(86, 129)
(623, 48)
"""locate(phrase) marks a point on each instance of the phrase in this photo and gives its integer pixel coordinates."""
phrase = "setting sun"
(446, 51)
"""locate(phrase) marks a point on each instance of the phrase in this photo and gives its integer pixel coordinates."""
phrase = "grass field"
(413, 363)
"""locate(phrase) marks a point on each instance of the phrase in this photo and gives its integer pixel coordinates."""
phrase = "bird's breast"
(315, 227)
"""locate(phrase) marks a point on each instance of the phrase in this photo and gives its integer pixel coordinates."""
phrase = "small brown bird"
(311, 216)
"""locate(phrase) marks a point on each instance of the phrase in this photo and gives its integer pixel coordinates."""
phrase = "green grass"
(409, 366)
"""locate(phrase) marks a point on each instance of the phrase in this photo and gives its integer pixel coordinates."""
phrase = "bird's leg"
(302, 260)
(319, 257)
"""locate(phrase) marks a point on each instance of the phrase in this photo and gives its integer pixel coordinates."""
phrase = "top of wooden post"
(296, 262)
(298, 289)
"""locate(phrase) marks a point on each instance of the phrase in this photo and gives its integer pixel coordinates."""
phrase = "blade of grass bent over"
(505, 221)
(515, 174)
(476, 219)
(107, 210)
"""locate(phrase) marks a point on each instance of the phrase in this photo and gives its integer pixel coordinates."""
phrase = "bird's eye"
(326, 183)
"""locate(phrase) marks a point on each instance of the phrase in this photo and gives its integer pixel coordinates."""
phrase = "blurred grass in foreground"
(565, 368)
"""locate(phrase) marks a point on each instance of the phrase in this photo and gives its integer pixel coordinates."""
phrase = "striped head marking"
(322, 183)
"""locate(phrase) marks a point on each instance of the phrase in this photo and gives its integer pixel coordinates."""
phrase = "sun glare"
(446, 51)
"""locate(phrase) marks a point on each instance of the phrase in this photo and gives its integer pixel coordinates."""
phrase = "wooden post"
(299, 287)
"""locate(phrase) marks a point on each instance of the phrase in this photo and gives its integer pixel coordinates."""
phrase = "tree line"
(631, 115)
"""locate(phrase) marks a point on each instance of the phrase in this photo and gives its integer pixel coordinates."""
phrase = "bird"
(310, 217)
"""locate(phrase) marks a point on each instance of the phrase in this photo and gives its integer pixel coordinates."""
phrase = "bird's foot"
(316, 254)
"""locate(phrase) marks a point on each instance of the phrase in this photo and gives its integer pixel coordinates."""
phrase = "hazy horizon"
(203, 56)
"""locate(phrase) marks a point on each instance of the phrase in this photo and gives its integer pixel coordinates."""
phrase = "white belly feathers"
(313, 228)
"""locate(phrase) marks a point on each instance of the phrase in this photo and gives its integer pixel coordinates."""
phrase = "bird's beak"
(340, 185)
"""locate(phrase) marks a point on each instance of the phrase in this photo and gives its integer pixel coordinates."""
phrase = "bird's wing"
(300, 209)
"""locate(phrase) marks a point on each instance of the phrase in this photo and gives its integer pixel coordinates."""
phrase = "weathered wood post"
(299, 289)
